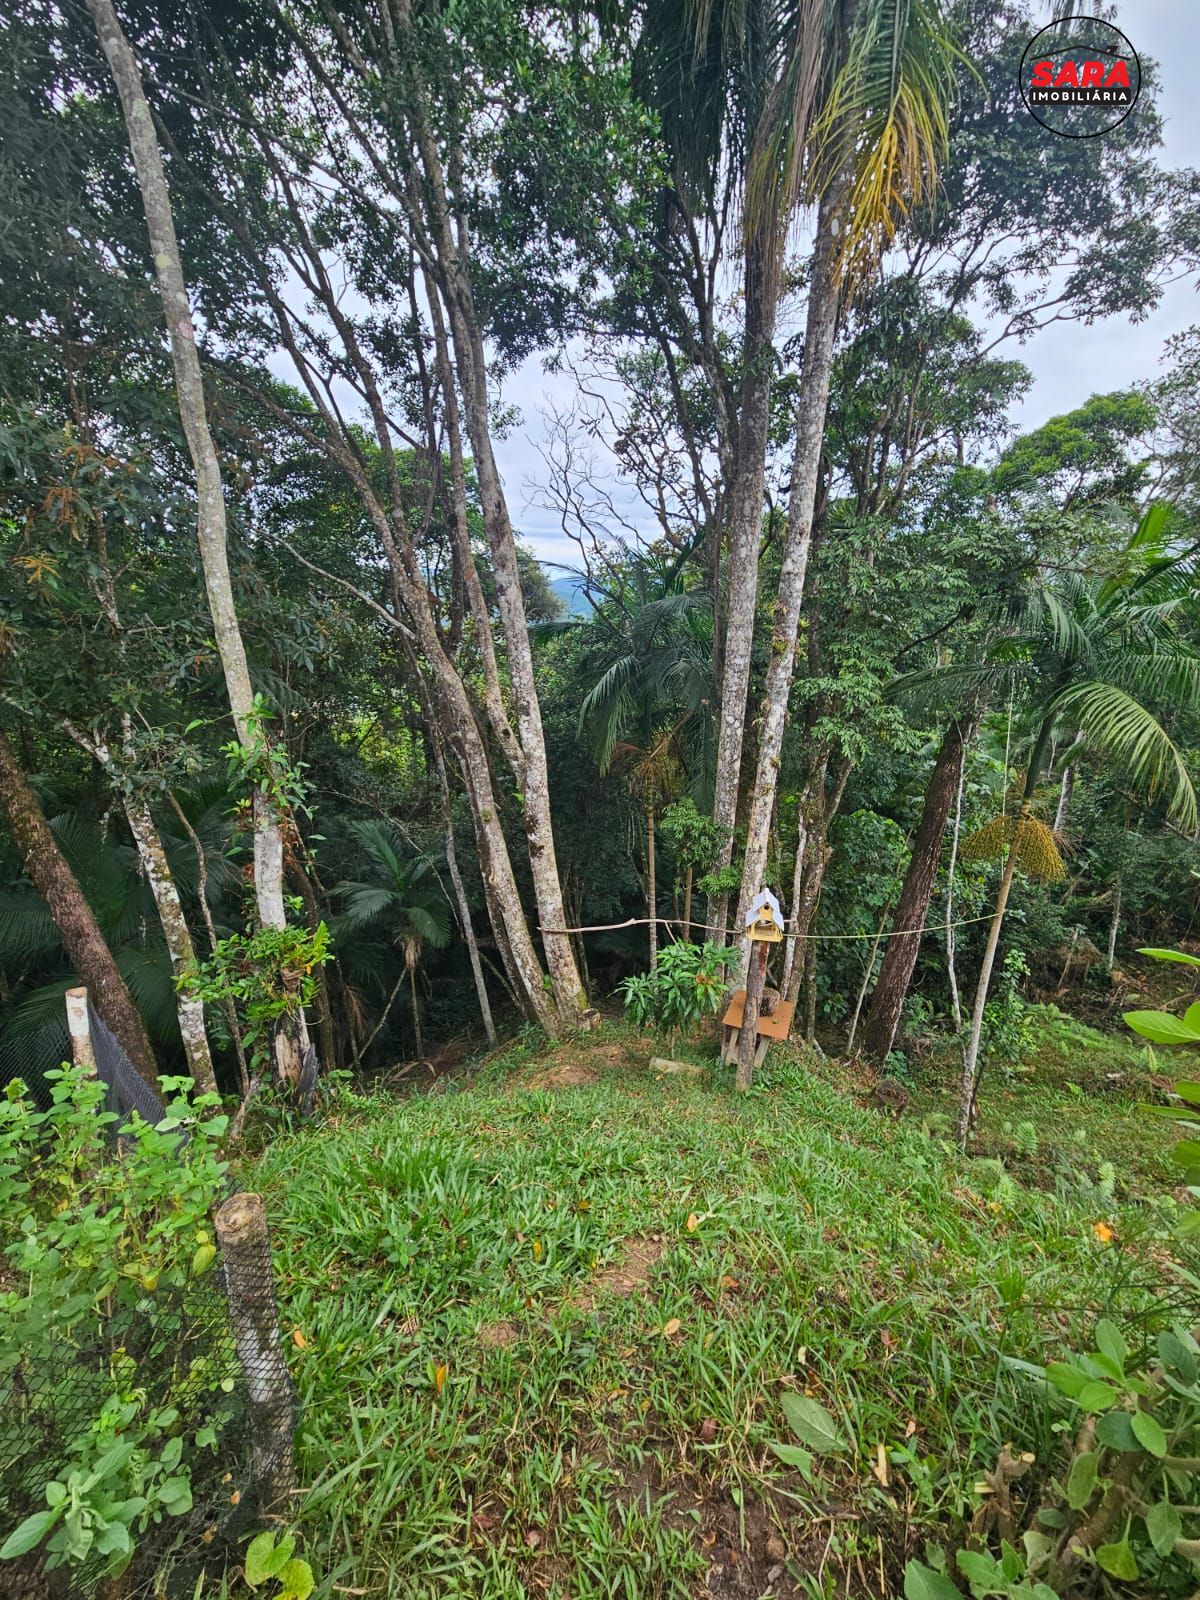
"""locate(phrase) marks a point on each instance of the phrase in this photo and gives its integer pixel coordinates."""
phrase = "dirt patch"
(629, 1273)
(563, 1075)
(498, 1335)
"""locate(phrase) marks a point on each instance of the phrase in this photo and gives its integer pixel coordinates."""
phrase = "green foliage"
(693, 838)
(267, 974)
(99, 1246)
(687, 985)
(269, 1556)
(1006, 1035)
(263, 766)
(1160, 1027)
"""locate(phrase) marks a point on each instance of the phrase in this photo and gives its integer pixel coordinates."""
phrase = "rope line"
(817, 938)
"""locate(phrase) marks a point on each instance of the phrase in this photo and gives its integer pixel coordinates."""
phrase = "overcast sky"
(1068, 362)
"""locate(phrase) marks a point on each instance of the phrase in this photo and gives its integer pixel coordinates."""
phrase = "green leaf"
(296, 1581)
(1118, 1560)
(1186, 1153)
(30, 1533)
(1115, 1429)
(792, 1455)
(1081, 1480)
(176, 1496)
(923, 1583)
(1171, 955)
(1176, 1356)
(981, 1571)
(812, 1424)
(1110, 1343)
(1187, 1089)
(1149, 1434)
(1096, 1396)
(1164, 1527)
(1161, 1028)
(1068, 1380)
(258, 1555)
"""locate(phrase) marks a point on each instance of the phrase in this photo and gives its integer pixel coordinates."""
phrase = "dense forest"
(314, 774)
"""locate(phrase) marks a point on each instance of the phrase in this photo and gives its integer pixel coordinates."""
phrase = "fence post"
(79, 1028)
(241, 1224)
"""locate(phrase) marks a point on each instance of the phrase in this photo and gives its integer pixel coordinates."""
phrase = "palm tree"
(649, 655)
(840, 103)
(1093, 656)
(400, 898)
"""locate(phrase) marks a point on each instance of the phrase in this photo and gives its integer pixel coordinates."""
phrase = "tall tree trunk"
(972, 1072)
(756, 977)
(651, 885)
(746, 497)
(292, 1040)
(951, 970)
(687, 903)
(450, 237)
(900, 957)
(49, 872)
(811, 408)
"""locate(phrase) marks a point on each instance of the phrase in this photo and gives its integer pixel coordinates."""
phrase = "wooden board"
(777, 1026)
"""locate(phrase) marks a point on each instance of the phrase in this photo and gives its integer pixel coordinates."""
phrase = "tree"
(52, 877)
(649, 663)
(291, 1041)
(1093, 655)
(900, 957)
(401, 898)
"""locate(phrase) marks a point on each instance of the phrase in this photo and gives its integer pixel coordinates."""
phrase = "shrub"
(103, 1378)
(687, 984)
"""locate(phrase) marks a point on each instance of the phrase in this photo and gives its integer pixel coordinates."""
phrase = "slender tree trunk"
(49, 872)
(450, 237)
(324, 1007)
(811, 409)
(951, 970)
(416, 1009)
(231, 1016)
(868, 969)
(460, 895)
(756, 977)
(687, 903)
(1064, 799)
(651, 885)
(189, 1009)
(291, 1041)
(793, 924)
(1110, 959)
(900, 957)
(746, 497)
(971, 1073)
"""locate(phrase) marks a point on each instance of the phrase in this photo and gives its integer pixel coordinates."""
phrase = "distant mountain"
(569, 589)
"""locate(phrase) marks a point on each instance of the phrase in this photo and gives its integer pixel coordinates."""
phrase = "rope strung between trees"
(816, 938)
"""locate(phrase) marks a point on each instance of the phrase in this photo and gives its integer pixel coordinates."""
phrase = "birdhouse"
(764, 920)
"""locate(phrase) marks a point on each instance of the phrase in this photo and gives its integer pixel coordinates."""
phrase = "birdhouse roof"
(764, 902)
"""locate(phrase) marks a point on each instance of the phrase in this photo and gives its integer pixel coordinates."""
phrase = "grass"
(541, 1323)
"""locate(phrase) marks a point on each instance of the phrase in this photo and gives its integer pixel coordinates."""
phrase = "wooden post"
(756, 977)
(241, 1224)
(80, 1031)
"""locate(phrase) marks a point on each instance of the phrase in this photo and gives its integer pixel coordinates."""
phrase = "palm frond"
(1122, 727)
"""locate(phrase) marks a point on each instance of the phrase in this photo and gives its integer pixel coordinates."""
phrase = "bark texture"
(900, 957)
(746, 497)
(811, 408)
(50, 873)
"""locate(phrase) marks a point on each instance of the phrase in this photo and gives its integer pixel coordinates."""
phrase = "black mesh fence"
(205, 1360)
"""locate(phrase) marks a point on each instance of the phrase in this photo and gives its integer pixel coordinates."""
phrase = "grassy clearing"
(545, 1318)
